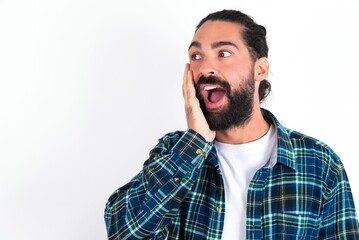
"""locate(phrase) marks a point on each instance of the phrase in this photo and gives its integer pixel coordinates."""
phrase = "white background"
(88, 86)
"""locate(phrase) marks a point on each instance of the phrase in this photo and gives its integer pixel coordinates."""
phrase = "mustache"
(214, 80)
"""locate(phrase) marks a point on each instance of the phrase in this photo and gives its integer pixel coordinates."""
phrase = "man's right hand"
(194, 114)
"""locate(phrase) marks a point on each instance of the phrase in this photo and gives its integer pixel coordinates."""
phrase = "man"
(236, 173)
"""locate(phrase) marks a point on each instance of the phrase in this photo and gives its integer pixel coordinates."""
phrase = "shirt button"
(219, 209)
(199, 151)
(176, 179)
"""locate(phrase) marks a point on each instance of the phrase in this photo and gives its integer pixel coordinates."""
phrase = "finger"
(184, 83)
(185, 79)
(188, 84)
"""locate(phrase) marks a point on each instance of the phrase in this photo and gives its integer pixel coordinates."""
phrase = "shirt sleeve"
(339, 219)
(142, 208)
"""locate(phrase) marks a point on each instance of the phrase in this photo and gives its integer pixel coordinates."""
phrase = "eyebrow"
(197, 44)
(194, 44)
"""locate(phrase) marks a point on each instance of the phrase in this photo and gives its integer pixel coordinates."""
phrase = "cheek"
(232, 73)
(240, 71)
(236, 78)
(195, 70)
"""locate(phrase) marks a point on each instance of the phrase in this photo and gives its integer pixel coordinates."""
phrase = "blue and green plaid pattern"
(179, 193)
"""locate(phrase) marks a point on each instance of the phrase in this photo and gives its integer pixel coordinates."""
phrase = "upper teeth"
(209, 88)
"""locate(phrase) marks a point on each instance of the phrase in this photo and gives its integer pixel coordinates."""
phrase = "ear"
(261, 68)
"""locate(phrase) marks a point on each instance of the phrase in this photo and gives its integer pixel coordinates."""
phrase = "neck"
(255, 128)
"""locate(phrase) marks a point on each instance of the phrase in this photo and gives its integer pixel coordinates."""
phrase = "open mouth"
(213, 94)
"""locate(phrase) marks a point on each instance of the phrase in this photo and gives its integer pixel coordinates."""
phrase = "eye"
(224, 54)
(195, 56)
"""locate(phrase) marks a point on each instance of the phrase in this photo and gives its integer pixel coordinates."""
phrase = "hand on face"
(194, 114)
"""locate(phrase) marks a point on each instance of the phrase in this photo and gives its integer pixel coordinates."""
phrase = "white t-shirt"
(239, 163)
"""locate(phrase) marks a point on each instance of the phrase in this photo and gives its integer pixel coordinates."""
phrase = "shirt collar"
(285, 151)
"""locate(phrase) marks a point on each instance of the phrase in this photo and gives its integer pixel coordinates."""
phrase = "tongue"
(215, 95)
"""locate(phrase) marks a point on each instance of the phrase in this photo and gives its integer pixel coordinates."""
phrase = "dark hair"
(254, 37)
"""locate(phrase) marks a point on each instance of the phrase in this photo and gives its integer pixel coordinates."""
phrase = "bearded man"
(236, 173)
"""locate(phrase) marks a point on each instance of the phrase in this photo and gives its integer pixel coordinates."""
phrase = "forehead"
(212, 31)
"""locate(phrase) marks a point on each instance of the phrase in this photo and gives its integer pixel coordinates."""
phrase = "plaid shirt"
(179, 193)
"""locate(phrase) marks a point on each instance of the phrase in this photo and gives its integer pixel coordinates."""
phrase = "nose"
(207, 68)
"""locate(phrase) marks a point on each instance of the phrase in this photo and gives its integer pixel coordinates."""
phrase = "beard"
(238, 109)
